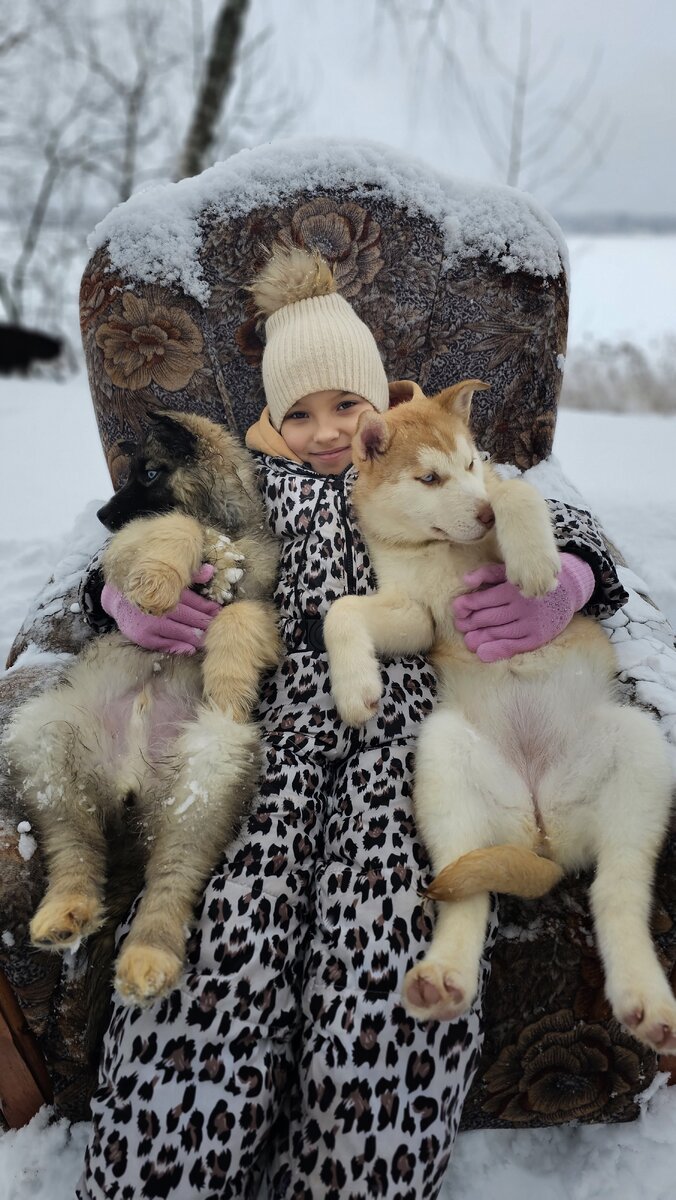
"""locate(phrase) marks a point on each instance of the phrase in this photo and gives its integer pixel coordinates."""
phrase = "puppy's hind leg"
(462, 783)
(46, 752)
(72, 907)
(190, 829)
(632, 808)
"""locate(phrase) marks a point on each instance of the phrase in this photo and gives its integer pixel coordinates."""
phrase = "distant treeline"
(609, 223)
(621, 377)
(592, 223)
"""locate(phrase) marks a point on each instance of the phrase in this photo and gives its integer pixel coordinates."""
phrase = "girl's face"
(320, 427)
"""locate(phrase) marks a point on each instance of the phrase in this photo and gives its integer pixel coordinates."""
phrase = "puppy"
(158, 745)
(529, 767)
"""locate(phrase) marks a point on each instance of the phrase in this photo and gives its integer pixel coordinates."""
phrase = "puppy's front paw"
(144, 973)
(229, 570)
(155, 591)
(357, 694)
(62, 920)
(533, 574)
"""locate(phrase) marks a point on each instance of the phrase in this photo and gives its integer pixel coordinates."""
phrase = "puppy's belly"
(139, 727)
(535, 719)
(133, 706)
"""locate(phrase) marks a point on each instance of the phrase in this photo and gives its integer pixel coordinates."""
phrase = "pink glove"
(498, 622)
(178, 632)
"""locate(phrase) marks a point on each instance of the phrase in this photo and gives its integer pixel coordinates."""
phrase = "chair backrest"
(456, 280)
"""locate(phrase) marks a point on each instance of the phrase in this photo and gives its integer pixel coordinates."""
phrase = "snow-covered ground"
(624, 467)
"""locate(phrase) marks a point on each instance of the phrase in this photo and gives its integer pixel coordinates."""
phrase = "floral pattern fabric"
(434, 323)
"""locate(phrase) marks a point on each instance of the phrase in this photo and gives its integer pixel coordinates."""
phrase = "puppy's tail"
(509, 869)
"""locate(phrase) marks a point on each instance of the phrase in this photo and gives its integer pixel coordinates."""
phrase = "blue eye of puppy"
(432, 477)
(150, 474)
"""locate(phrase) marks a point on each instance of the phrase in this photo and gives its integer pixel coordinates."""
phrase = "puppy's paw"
(651, 1020)
(533, 574)
(226, 579)
(357, 694)
(144, 973)
(229, 567)
(62, 920)
(434, 991)
(155, 591)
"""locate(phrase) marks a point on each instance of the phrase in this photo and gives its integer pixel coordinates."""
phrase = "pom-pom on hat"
(314, 339)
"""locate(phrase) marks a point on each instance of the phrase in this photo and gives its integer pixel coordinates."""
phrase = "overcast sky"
(363, 73)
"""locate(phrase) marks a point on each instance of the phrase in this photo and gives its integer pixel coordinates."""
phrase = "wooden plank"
(24, 1080)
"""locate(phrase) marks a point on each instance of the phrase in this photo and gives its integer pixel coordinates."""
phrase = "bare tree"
(538, 134)
(132, 92)
(542, 140)
(81, 132)
(94, 100)
(216, 83)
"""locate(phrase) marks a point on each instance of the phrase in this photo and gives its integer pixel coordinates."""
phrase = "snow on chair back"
(455, 279)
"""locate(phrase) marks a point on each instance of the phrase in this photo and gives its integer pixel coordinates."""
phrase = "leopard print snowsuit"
(286, 1054)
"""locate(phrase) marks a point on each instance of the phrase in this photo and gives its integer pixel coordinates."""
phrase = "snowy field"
(624, 467)
(622, 289)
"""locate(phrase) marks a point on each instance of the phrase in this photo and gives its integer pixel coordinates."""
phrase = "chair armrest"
(24, 1083)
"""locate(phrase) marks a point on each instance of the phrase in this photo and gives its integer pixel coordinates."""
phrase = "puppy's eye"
(150, 474)
(432, 477)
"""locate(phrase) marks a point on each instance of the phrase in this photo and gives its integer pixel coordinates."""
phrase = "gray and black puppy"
(162, 742)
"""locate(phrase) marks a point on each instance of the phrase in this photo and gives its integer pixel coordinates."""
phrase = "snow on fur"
(155, 235)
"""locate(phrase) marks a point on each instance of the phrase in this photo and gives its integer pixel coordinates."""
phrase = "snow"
(27, 846)
(155, 235)
(42, 1161)
(623, 289)
(585, 1162)
(623, 466)
(27, 843)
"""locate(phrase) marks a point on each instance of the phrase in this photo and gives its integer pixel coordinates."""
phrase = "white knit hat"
(314, 339)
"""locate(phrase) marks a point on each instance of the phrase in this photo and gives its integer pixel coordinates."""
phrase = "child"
(287, 1054)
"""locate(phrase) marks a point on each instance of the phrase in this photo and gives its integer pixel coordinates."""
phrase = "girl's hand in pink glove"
(498, 622)
(178, 632)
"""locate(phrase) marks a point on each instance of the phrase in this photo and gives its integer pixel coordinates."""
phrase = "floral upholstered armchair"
(456, 281)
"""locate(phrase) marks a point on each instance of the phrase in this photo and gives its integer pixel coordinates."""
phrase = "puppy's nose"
(486, 515)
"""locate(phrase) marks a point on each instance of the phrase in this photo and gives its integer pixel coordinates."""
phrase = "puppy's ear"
(174, 435)
(372, 438)
(458, 399)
